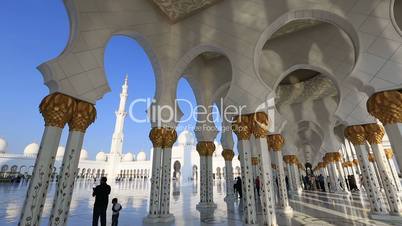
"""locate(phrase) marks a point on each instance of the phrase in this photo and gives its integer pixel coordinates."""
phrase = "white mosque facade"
(116, 164)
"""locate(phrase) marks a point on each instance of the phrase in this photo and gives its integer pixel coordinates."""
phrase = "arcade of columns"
(362, 153)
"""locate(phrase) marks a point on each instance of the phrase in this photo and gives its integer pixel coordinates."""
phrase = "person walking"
(257, 185)
(116, 207)
(101, 194)
(239, 187)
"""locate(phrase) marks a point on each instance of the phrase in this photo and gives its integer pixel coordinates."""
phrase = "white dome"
(141, 156)
(186, 138)
(3, 145)
(60, 152)
(101, 156)
(84, 154)
(31, 149)
(129, 157)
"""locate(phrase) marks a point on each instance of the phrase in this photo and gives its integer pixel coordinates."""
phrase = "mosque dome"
(129, 157)
(31, 149)
(60, 152)
(3, 145)
(141, 156)
(101, 156)
(84, 154)
(186, 138)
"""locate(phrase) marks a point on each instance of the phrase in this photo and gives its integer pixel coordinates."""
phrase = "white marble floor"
(310, 208)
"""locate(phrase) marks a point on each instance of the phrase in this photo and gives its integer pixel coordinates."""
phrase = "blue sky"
(37, 31)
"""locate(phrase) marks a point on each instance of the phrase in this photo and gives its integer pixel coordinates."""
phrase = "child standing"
(116, 207)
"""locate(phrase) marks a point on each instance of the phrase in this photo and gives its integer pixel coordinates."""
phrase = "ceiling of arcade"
(312, 88)
(177, 10)
(252, 45)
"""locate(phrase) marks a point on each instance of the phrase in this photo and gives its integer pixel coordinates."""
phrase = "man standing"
(101, 194)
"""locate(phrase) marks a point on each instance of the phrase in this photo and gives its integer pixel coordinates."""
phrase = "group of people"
(312, 182)
(101, 194)
(237, 187)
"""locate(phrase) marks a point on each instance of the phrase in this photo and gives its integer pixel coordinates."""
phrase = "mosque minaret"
(116, 150)
(118, 135)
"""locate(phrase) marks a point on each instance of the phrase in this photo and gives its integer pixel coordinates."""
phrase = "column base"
(396, 215)
(205, 205)
(381, 216)
(150, 219)
(166, 218)
(229, 198)
(287, 210)
(298, 192)
(343, 192)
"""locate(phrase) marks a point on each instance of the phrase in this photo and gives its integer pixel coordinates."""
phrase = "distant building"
(116, 164)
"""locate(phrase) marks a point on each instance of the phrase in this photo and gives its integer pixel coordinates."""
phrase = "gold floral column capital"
(254, 161)
(275, 142)
(205, 148)
(260, 123)
(156, 137)
(287, 158)
(84, 115)
(386, 106)
(389, 153)
(374, 133)
(355, 134)
(355, 162)
(300, 165)
(169, 137)
(321, 165)
(228, 154)
(242, 127)
(57, 109)
(290, 159)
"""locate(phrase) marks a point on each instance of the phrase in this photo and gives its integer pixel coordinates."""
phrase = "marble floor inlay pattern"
(310, 208)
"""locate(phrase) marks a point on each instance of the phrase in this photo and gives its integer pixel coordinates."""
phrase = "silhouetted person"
(238, 187)
(257, 185)
(116, 207)
(101, 194)
(322, 182)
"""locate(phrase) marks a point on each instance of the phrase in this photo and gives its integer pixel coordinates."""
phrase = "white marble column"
(356, 134)
(243, 130)
(57, 110)
(169, 138)
(210, 179)
(205, 150)
(203, 180)
(264, 165)
(275, 144)
(374, 135)
(156, 136)
(386, 106)
(350, 163)
(394, 132)
(298, 178)
(84, 115)
(289, 171)
(389, 154)
(324, 174)
(330, 158)
(293, 177)
(333, 176)
(228, 155)
(341, 174)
